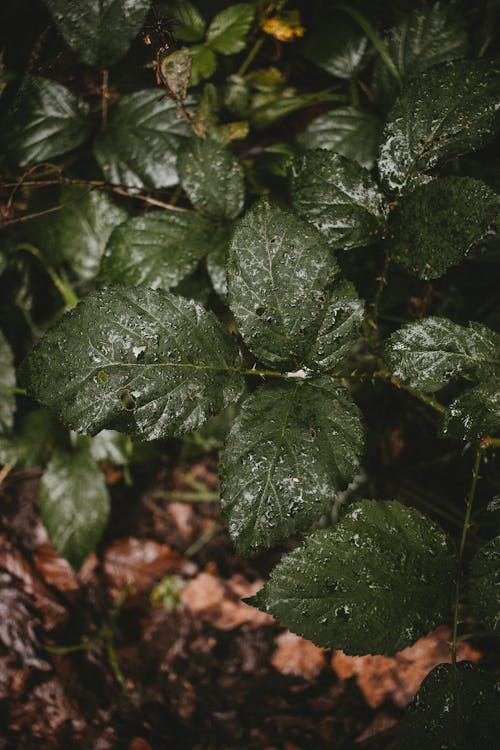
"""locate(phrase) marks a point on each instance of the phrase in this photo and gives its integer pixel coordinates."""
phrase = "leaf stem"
(62, 285)
(423, 397)
(13, 389)
(254, 51)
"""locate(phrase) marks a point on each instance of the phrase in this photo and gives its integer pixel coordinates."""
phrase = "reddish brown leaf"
(296, 656)
(54, 570)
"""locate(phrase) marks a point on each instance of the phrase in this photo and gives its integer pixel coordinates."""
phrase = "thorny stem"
(370, 323)
(470, 500)
(424, 398)
(251, 56)
(104, 97)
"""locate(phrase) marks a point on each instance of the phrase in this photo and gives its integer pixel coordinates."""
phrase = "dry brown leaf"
(218, 602)
(141, 562)
(54, 570)
(399, 677)
(296, 656)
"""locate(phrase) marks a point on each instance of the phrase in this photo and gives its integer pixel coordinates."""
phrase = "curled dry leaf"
(399, 677)
(297, 656)
(218, 602)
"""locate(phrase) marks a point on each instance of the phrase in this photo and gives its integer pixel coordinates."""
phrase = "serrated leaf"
(35, 437)
(377, 581)
(435, 226)
(427, 354)
(212, 178)
(278, 269)
(483, 584)
(98, 32)
(289, 452)
(457, 707)
(227, 31)
(74, 503)
(135, 360)
(423, 38)
(189, 22)
(79, 232)
(43, 120)
(339, 197)
(475, 414)
(7, 383)
(138, 148)
(156, 250)
(445, 112)
(348, 131)
(336, 44)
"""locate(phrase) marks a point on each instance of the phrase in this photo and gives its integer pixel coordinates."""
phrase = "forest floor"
(150, 646)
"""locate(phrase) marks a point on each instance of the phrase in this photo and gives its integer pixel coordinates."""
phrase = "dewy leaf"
(483, 584)
(157, 249)
(435, 226)
(43, 120)
(7, 382)
(79, 232)
(98, 31)
(430, 352)
(475, 414)
(278, 269)
(227, 32)
(138, 147)
(377, 581)
(339, 197)
(348, 131)
(423, 38)
(217, 258)
(336, 44)
(290, 451)
(189, 23)
(457, 707)
(135, 360)
(212, 177)
(445, 112)
(74, 503)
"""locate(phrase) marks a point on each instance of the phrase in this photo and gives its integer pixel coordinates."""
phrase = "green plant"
(371, 576)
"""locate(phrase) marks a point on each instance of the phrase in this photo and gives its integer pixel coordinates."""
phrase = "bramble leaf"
(189, 22)
(374, 583)
(348, 131)
(212, 177)
(7, 382)
(74, 503)
(227, 31)
(78, 233)
(138, 147)
(445, 112)
(98, 32)
(135, 360)
(435, 226)
(336, 44)
(430, 352)
(425, 37)
(483, 584)
(339, 197)
(156, 250)
(44, 119)
(217, 258)
(457, 707)
(291, 449)
(474, 414)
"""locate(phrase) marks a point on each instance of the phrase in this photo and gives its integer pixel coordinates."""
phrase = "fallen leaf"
(54, 570)
(297, 656)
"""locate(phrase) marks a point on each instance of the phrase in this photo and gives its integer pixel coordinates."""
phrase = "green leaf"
(227, 31)
(212, 178)
(278, 268)
(335, 44)
(217, 258)
(377, 581)
(79, 232)
(157, 249)
(427, 354)
(457, 707)
(339, 197)
(135, 360)
(35, 437)
(189, 23)
(423, 38)
(7, 382)
(204, 63)
(483, 584)
(138, 147)
(290, 451)
(44, 120)
(74, 503)
(475, 414)
(435, 226)
(348, 131)
(111, 446)
(445, 112)
(98, 32)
